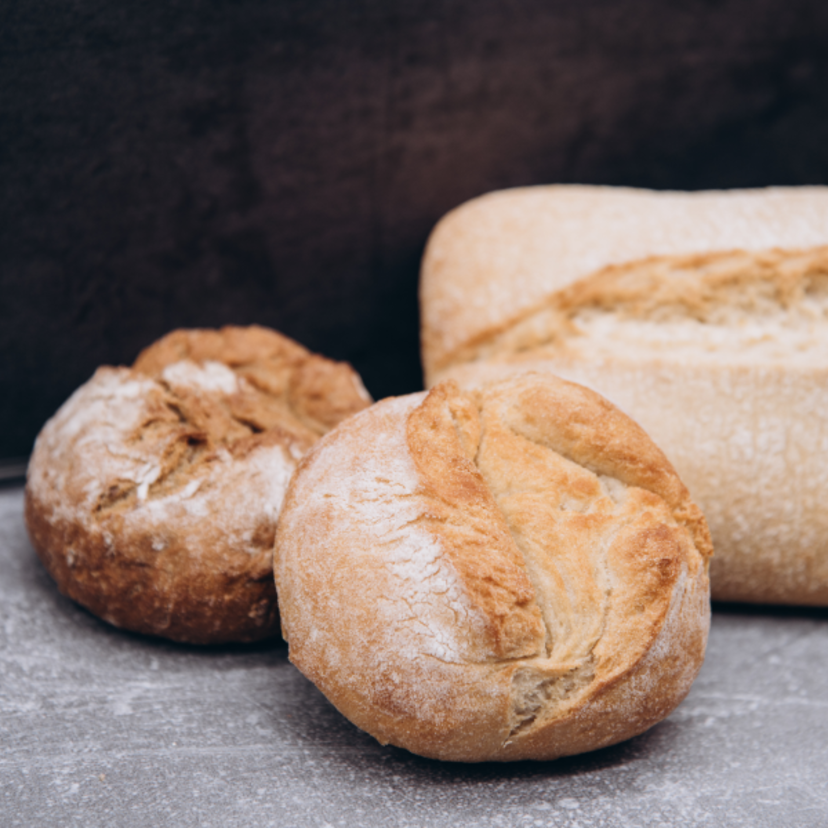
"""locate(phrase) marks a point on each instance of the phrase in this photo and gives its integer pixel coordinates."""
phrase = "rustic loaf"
(704, 316)
(153, 493)
(510, 573)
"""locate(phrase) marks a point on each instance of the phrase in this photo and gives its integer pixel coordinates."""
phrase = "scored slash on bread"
(153, 493)
(744, 307)
(510, 573)
(702, 315)
(301, 388)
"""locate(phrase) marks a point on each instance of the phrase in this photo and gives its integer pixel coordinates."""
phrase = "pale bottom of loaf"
(750, 444)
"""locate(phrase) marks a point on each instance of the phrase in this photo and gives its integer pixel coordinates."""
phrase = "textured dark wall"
(199, 163)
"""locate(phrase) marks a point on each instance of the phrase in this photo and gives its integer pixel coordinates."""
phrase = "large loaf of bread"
(516, 573)
(702, 315)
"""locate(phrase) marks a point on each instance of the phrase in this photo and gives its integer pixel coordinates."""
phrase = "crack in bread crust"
(733, 300)
(302, 390)
(471, 530)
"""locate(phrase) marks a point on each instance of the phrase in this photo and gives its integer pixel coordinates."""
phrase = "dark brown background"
(199, 163)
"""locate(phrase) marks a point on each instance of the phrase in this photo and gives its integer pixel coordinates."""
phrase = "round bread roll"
(153, 493)
(514, 572)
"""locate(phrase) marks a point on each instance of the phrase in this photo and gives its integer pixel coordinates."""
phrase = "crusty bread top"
(167, 452)
(495, 257)
(193, 400)
(304, 389)
(477, 575)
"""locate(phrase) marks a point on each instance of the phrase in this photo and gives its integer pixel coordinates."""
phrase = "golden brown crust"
(152, 495)
(443, 438)
(510, 573)
(315, 391)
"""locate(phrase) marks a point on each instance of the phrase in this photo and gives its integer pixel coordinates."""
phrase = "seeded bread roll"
(704, 316)
(510, 573)
(153, 493)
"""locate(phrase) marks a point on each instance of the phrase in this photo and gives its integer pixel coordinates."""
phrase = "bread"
(704, 316)
(153, 493)
(511, 573)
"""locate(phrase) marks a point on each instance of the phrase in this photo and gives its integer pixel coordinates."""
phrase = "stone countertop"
(101, 728)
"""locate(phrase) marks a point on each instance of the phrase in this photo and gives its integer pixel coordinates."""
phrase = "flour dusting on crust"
(392, 594)
(209, 376)
(381, 503)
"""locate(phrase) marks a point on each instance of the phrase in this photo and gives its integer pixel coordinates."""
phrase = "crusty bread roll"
(511, 573)
(704, 316)
(153, 493)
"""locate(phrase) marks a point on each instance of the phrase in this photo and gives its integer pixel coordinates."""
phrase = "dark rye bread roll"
(704, 316)
(511, 573)
(153, 493)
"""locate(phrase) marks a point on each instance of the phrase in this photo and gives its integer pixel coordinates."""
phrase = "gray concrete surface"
(103, 728)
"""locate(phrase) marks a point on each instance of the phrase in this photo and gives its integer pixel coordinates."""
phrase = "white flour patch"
(209, 376)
